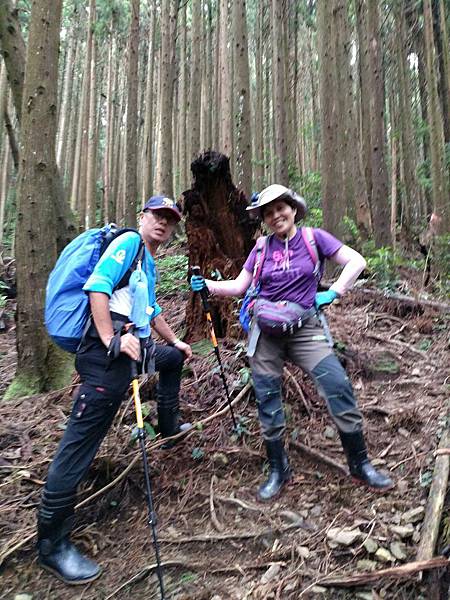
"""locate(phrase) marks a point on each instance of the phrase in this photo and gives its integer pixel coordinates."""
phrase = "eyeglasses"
(162, 215)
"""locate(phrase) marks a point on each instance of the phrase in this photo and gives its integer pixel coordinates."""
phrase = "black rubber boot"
(169, 424)
(359, 464)
(279, 472)
(56, 553)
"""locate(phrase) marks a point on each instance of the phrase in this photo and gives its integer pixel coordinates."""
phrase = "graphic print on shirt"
(281, 259)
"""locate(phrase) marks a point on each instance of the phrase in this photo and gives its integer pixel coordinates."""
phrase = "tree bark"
(279, 96)
(13, 50)
(219, 234)
(36, 197)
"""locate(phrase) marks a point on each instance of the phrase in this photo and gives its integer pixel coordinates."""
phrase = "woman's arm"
(354, 264)
(232, 287)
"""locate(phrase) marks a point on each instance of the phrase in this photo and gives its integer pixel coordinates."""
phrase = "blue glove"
(197, 283)
(325, 298)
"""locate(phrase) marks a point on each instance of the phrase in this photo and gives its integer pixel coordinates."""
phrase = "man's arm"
(102, 319)
(163, 329)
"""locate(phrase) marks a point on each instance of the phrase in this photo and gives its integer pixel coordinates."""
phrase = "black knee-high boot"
(359, 464)
(169, 420)
(279, 472)
(56, 553)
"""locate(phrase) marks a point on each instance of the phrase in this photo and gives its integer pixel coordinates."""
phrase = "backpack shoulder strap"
(138, 258)
(261, 246)
(311, 246)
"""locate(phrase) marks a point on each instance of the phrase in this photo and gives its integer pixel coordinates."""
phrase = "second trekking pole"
(204, 296)
(148, 484)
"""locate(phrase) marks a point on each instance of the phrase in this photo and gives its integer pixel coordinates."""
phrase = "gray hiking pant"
(308, 349)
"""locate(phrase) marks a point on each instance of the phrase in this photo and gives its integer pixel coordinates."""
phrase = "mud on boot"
(359, 464)
(279, 470)
(56, 552)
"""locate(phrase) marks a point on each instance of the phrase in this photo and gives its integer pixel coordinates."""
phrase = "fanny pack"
(280, 318)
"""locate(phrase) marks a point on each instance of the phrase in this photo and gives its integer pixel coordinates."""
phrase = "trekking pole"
(141, 435)
(326, 329)
(212, 333)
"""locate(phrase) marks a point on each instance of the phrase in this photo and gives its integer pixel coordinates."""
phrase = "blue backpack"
(245, 314)
(66, 304)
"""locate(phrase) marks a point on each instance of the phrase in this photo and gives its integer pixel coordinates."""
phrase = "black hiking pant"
(101, 392)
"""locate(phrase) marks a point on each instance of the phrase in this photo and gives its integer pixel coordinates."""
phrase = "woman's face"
(280, 217)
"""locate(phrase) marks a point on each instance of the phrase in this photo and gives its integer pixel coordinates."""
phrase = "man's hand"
(197, 283)
(131, 346)
(183, 347)
(325, 298)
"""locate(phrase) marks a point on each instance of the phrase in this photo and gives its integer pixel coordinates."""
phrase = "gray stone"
(303, 551)
(414, 515)
(398, 550)
(366, 565)
(383, 555)
(23, 597)
(316, 511)
(330, 433)
(270, 574)
(370, 545)
(402, 531)
(318, 589)
(344, 536)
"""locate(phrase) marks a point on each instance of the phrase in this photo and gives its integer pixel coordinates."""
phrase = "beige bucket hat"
(277, 192)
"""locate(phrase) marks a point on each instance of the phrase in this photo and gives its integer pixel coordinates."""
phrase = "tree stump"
(220, 236)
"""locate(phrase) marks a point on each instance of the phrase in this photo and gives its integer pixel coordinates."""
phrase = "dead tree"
(220, 237)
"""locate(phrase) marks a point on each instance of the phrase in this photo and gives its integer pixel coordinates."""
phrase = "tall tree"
(131, 189)
(196, 83)
(243, 144)
(35, 248)
(279, 94)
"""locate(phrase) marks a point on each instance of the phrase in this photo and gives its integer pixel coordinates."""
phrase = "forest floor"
(217, 541)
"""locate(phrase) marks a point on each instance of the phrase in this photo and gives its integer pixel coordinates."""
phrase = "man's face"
(157, 225)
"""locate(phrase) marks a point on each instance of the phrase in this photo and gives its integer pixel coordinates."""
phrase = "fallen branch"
(403, 345)
(322, 457)
(400, 572)
(299, 390)
(244, 535)
(192, 566)
(405, 299)
(436, 497)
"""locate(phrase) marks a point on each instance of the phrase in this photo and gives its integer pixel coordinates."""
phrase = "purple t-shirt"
(292, 279)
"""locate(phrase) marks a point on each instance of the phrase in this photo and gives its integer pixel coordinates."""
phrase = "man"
(104, 364)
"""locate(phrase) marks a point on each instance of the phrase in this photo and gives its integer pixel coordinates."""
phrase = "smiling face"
(156, 226)
(280, 217)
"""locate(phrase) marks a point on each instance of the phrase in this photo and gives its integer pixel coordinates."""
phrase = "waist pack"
(66, 304)
(280, 318)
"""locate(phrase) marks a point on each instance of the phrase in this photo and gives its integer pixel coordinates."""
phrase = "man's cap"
(277, 192)
(160, 202)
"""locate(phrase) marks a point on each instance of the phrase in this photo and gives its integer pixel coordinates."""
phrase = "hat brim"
(255, 211)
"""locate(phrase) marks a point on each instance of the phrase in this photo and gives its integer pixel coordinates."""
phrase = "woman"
(288, 274)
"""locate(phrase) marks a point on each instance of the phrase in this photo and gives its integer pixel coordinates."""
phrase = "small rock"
(402, 531)
(416, 372)
(398, 550)
(318, 589)
(383, 555)
(366, 565)
(370, 545)
(364, 596)
(329, 433)
(292, 517)
(344, 536)
(414, 515)
(303, 513)
(316, 511)
(303, 551)
(216, 597)
(23, 597)
(404, 432)
(270, 574)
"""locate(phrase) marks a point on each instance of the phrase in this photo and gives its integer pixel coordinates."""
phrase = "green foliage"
(173, 272)
(308, 185)
(382, 264)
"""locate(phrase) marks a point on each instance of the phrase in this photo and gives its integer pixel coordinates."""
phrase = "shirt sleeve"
(327, 244)
(249, 264)
(157, 310)
(113, 264)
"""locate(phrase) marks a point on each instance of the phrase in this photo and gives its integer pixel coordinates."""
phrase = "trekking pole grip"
(203, 292)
